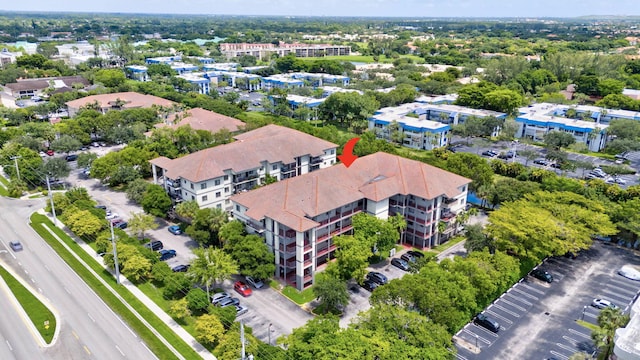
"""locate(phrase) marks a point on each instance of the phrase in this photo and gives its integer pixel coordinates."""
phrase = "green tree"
(136, 190)
(330, 291)
(609, 321)
(85, 159)
(187, 209)
(136, 267)
(558, 140)
(140, 222)
(505, 100)
(83, 223)
(197, 300)
(208, 329)
(211, 266)
(56, 168)
(610, 86)
(471, 166)
(65, 144)
(176, 285)
(112, 78)
(179, 309)
(156, 201)
(352, 257)
(476, 240)
(254, 257)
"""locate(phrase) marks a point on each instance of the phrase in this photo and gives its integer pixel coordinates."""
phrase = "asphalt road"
(89, 328)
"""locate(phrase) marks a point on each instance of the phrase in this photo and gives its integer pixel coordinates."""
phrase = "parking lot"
(539, 320)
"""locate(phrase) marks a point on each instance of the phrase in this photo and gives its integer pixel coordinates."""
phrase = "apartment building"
(300, 216)
(211, 176)
(261, 51)
(117, 101)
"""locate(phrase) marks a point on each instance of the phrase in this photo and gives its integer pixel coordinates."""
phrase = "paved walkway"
(179, 330)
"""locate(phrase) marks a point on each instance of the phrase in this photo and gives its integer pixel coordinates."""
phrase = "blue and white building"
(221, 67)
(416, 130)
(328, 90)
(137, 72)
(319, 79)
(198, 79)
(536, 121)
(253, 69)
(205, 60)
(241, 80)
(167, 60)
(281, 81)
(184, 68)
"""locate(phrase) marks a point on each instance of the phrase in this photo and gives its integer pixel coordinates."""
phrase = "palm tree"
(609, 321)
(211, 266)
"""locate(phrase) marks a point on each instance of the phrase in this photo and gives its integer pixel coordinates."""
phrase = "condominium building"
(231, 50)
(299, 217)
(211, 176)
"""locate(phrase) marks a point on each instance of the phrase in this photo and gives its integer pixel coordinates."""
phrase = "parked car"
(256, 283)
(101, 207)
(541, 162)
(487, 323)
(180, 268)
(242, 288)
(154, 245)
(50, 152)
(15, 245)
(72, 157)
(175, 229)
(167, 254)
(228, 301)
(217, 297)
(603, 304)
(408, 258)
(417, 254)
(111, 215)
(542, 275)
(490, 153)
(121, 224)
(42, 154)
(370, 285)
(241, 310)
(377, 277)
(400, 264)
(507, 155)
(619, 180)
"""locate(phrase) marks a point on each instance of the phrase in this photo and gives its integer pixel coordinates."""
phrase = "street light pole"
(115, 253)
(270, 333)
(476, 341)
(53, 208)
(583, 310)
(15, 160)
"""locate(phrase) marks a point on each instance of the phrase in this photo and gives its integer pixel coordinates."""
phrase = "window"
(226, 190)
(191, 185)
(237, 207)
(203, 186)
(217, 182)
(333, 151)
(193, 197)
(205, 198)
(219, 206)
(226, 177)
(218, 194)
(274, 167)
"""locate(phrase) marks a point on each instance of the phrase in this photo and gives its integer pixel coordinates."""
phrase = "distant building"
(280, 81)
(167, 60)
(261, 51)
(7, 57)
(632, 93)
(240, 80)
(627, 339)
(137, 72)
(117, 101)
(202, 83)
(320, 79)
(36, 87)
(201, 119)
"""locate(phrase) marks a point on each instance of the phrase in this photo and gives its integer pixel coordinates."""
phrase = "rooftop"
(201, 119)
(293, 202)
(271, 143)
(131, 100)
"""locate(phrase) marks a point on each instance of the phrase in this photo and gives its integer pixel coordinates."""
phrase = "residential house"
(201, 119)
(280, 81)
(7, 57)
(299, 217)
(37, 87)
(211, 176)
(202, 83)
(137, 72)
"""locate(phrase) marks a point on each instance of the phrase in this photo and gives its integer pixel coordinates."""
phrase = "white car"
(255, 283)
(603, 304)
(241, 310)
(629, 273)
(112, 216)
(216, 298)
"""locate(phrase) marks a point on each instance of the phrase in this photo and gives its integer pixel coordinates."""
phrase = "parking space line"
(512, 304)
(623, 283)
(616, 295)
(576, 332)
(560, 264)
(621, 289)
(532, 288)
(458, 356)
(565, 347)
(519, 299)
(499, 316)
(478, 337)
(526, 294)
(507, 310)
(571, 340)
(555, 353)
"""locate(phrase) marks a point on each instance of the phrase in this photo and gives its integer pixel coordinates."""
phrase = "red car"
(50, 152)
(242, 288)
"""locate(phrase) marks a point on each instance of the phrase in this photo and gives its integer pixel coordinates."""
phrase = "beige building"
(117, 101)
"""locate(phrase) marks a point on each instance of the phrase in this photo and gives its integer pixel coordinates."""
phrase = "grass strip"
(442, 247)
(40, 315)
(39, 221)
(298, 297)
(4, 186)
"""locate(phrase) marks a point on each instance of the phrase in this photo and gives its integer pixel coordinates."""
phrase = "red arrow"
(347, 156)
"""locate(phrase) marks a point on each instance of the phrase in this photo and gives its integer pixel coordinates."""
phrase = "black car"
(415, 254)
(377, 277)
(542, 162)
(154, 245)
(72, 157)
(370, 285)
(508, 155)
(180, 268)
(400, 264)
(489, 153)
(542, 275)
(487, 323)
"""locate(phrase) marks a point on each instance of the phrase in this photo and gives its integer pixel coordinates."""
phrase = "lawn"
(298, 297)
(442, 247)
(38, 222)
(3, 187)
(41, 317)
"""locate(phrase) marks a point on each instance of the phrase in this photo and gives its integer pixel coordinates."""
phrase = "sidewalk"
(179, 330)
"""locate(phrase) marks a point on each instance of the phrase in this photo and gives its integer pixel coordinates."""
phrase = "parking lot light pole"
(584, 308)
(476, 341)
(270, 333)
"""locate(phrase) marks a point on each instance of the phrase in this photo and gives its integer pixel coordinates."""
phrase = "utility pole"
(242, 354)
(53, 209)
(15, 160)
(115, 253)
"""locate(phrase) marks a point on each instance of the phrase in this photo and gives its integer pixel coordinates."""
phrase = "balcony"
(243, 178)
(396, 203)
(257, 227)
(325, 250)
(316, 160)
(447, 216)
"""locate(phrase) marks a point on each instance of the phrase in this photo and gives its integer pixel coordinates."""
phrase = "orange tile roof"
(293, 202)
(201, 119)
(271, 143)
(131, 99)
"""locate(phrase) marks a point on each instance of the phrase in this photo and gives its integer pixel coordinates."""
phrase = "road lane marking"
(74, 334)
(499, 316)
(91, 317)
(127, 326)
(507, 310)
(47, 268)
(571, 340)
(565, 347)
(67, 290)
(121, 353)
(621, 289)
(532, 288)
(9, 345)
(520, 299)
(87, 350)
(40, 290)
(26, 272)
(149, 350)
(33, 280)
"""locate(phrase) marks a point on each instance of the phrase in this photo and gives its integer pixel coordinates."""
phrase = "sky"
(379, 8)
